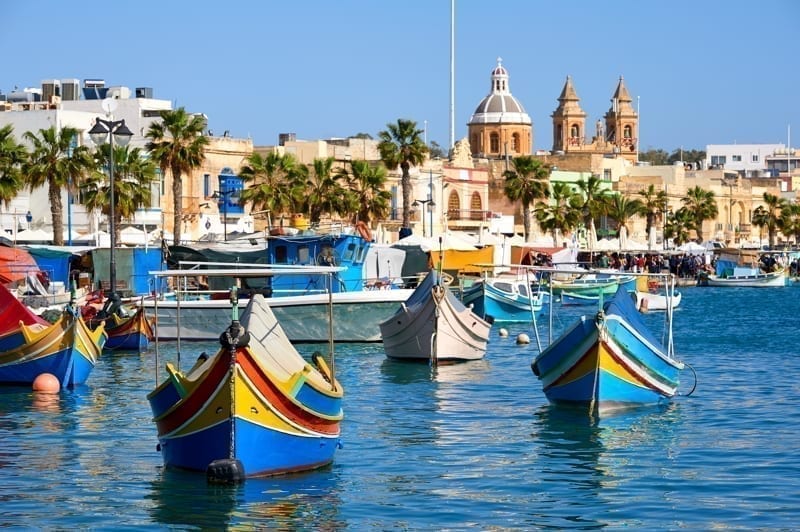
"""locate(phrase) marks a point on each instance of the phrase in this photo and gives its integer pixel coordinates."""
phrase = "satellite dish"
(109, 105)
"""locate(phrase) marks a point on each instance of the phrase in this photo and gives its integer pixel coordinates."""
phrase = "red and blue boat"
(609, 361)
(30, 346)
(129, 333)
(255, 408)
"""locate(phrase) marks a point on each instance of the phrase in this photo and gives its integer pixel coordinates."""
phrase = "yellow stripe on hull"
(252, 406)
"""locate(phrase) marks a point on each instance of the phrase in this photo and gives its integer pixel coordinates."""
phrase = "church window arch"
(475, 207)
(453, 206)
(627, 132)
(515, 143)
(494, 143)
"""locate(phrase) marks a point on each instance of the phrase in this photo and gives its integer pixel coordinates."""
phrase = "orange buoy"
(46, 383)
(363, 230)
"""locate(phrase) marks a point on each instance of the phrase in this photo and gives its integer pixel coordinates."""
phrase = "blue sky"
(701, 72)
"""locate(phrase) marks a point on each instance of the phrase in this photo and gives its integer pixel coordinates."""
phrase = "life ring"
(364, 231)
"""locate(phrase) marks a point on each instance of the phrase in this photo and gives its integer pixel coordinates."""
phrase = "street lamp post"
(111, 130)
(664, 215)
(430, 205)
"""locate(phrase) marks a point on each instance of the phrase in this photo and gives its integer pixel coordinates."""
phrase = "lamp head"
(122, 135)
(98, 133)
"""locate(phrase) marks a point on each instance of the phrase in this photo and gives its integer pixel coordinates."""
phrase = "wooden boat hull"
(131, 333)
(608, 362)
(433, 325)
(502, 301)
(67, 349)
(259, 403)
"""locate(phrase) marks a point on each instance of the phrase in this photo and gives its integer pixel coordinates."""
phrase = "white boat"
(744, 268)
(433, 325)
(356, 314)
(752, 278)
(651, 301)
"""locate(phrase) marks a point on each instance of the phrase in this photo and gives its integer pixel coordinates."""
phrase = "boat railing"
(248, 271)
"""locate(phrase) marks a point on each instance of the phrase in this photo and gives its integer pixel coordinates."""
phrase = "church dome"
(500, 106)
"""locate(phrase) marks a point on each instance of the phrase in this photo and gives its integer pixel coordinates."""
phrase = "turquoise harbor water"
(470, 445)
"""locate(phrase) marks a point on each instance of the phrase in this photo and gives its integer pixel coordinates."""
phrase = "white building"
(748, 160)
(58, 104)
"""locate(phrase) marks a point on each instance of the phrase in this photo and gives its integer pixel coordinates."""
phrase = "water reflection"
(288, 502)
(597, 456)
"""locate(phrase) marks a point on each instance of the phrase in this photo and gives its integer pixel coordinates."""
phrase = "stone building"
(500, 127)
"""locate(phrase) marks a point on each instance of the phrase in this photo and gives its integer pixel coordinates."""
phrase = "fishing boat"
(593, 291)
(591, 285)
(609, 361)
(646, 301)
(743, 268)
(433, 325)
(29, 345)
(255, 408)
(356, 314)
(504, 299)
(129, 333)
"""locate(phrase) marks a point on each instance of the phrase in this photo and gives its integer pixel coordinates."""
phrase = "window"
(453, 206)
(281, 255)
(303, 255)
(349, 252)
(494, 143)
(755, 158)
(475, 208)
(718, 160)
(515, 142)
(607, 174)
(627, 132)
(207, 185)
(736, 158)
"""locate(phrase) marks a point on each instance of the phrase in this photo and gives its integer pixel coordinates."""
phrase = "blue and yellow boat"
(255, 408)
(30, 346)
(129, 333)
(609, 361)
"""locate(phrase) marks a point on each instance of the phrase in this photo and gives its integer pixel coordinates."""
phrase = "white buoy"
(523, 339)
(503, 332)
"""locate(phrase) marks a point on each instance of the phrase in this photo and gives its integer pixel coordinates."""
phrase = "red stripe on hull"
(279, 401)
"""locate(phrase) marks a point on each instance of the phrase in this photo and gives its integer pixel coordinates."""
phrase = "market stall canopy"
(15, 264)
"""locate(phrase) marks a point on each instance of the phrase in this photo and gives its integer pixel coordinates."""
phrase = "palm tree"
(562, 213)
(276, 182)
(177, 144)
(678, 225)
(771, 216)
(402, 145)
(702, 206)
(54, 162)
(12, 156)
(366, 182)
(595, 202)
(653, 206)
(526, 183)
(621, 210)
(134, 175)
(790, 221)
(321, 190)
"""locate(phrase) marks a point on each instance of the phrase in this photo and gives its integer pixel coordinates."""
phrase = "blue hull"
(608, 362)
(261, 451)
(128, 342)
